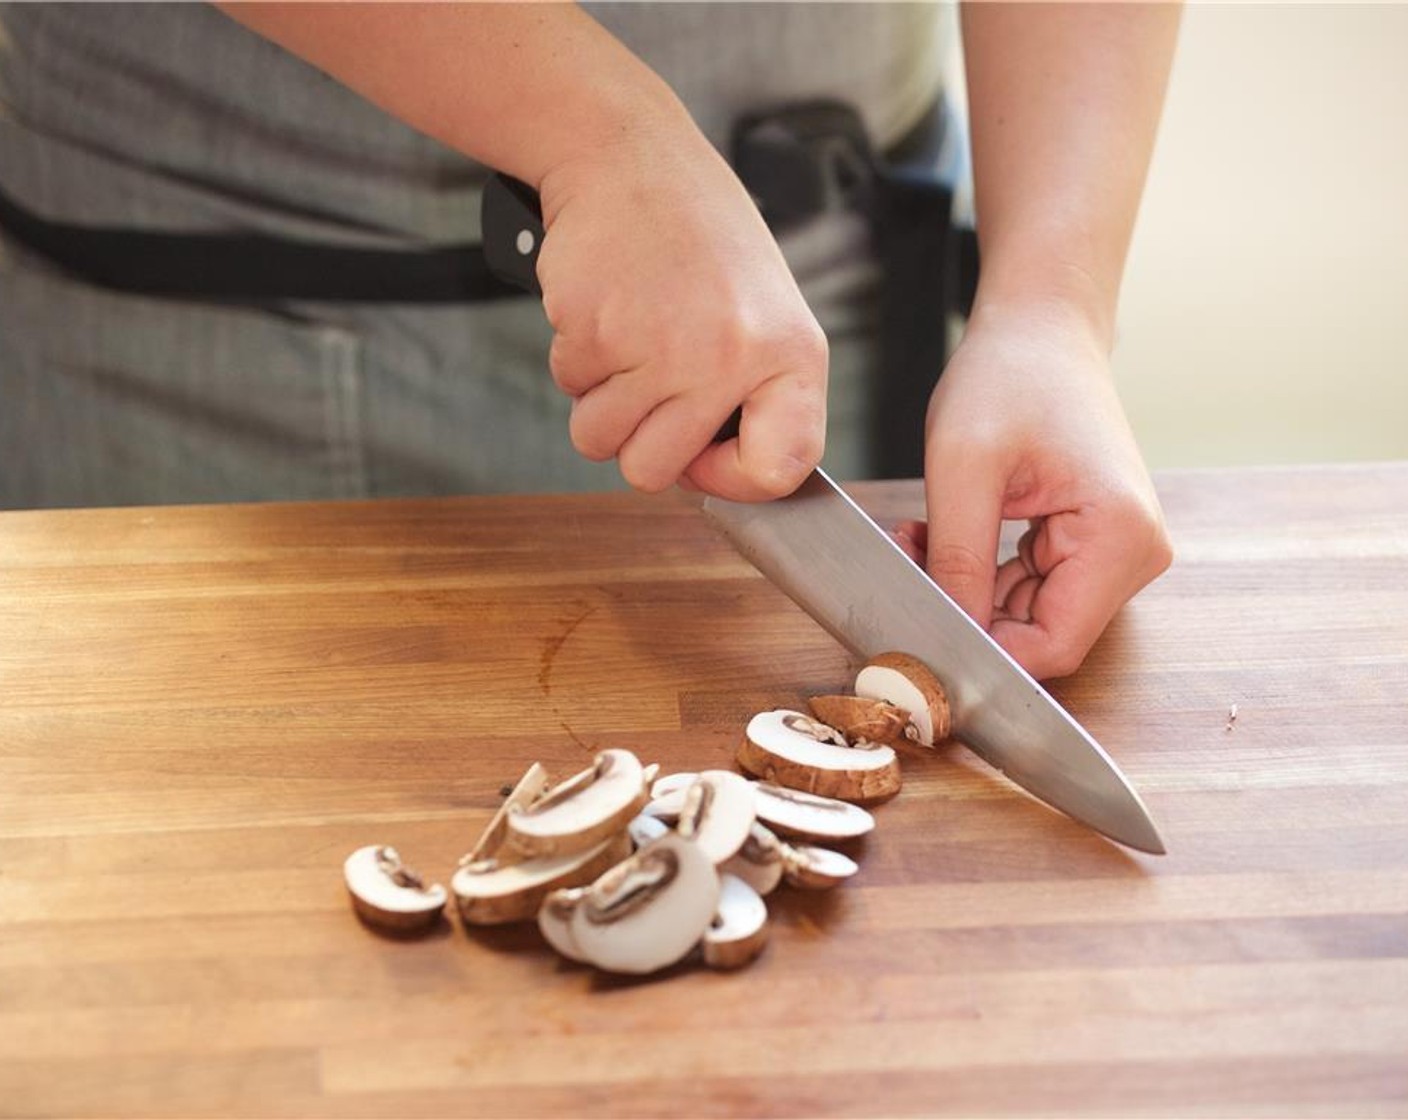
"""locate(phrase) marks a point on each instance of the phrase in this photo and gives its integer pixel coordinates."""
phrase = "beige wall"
(1265, 309)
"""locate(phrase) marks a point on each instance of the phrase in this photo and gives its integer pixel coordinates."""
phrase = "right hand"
(671, 305)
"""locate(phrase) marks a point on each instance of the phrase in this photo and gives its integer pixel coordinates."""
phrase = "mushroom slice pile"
(717, 812)
(389, 894)
(759, 862)
(489, 893)
(794, 812)
(583, 810)
(739, 930)
(816, 868)
(647, 912)
(908, 683)
(785, 747)
(860, 719)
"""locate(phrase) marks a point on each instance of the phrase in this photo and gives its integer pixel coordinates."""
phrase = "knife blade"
(826, 554)
(833, 561)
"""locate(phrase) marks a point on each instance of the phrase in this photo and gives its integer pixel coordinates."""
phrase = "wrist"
(1057, 290)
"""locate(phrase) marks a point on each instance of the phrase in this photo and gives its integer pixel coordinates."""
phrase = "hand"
(672, 305)
(1025, 423)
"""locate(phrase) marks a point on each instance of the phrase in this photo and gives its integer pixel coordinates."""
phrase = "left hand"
(1025, 423)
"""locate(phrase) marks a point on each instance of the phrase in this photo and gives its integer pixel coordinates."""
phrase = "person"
(669, 302)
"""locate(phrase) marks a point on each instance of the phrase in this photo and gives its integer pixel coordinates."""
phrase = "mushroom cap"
(378, 898)
(666, 806)
(647, 912)
(490, 894)
(717, 813)
(908, 683)
(584, 809)
(817, 868)
(739, 930)
(776, 749)
(758, 862)
(795, 812)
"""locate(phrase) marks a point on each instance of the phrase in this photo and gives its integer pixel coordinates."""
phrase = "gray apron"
(172, 117)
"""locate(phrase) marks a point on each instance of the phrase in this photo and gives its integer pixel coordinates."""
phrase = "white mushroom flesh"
(489, 893)
(817, 868)
(650, 911)
(555, 921)
(387, 892)
(717, 812)
(913, 688)
(580, 811)
(795, 812)
(758, 862)
(672, 782)
(643, 829)
(739, 930)
(772, 732)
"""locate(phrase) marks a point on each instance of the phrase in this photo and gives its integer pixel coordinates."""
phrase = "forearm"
(521, 87)
(1064, 103)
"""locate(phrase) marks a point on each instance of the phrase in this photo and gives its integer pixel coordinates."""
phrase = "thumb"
(965, 519)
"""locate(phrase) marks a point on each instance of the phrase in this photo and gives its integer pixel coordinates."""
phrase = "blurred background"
(1265, 309)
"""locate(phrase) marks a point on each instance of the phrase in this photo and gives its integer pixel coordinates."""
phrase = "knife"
(833, 561)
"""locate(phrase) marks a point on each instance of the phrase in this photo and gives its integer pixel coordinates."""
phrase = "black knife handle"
(511, 220)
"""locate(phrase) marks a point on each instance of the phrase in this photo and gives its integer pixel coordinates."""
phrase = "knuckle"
(955, 563)
(588, 441)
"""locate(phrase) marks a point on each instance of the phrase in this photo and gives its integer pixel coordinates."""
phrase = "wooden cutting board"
(203, 710)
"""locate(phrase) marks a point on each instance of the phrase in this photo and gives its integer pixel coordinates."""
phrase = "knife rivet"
(525, 242)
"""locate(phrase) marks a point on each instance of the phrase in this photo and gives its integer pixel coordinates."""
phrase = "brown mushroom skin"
(861, 720)
(395, 921)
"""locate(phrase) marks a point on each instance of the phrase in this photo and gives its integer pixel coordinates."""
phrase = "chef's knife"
(830, 558)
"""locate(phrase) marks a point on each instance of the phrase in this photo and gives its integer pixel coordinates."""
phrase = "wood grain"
(203, 710)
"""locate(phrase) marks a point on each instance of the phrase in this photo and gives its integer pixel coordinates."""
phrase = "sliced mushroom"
(779, 747)
(861, 720)
(649, 911)
(739, 930)
(670, 783)
(908, 683)
(644, 828)
(555, 920)
(491, 893)
(528, 790)
(582, 811)
(816, 868)
(387, 893)
(666, 806)
(759, 862)
(649, 774)
(794, 812)
(717, 813)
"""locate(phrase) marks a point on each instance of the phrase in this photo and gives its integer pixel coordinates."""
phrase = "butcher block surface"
(204, 710)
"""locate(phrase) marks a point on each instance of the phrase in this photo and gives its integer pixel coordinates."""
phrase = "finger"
(964, 499)
(1009, 574)
(1088, 578)
(605, 417)
(666, 441)
(576, 365)
(780, 442)
(913, 539)
(1026, 547)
